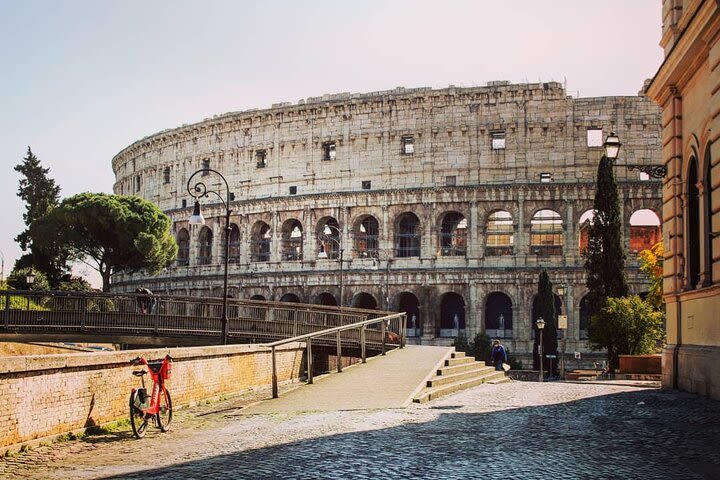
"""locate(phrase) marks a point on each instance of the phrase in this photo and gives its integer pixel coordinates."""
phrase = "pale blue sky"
(81, 80)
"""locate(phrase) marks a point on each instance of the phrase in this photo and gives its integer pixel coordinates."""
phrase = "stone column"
(570, 245)
(309, 254)
(275, 238)
(474, 240)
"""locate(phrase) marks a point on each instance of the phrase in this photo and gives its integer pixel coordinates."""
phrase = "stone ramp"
(389, 381)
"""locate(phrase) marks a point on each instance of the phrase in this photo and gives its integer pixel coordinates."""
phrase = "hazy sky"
(81, 80)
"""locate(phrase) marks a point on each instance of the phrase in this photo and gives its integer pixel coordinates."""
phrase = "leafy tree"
(604, 255)
(651, 264)
(544, 306)
(626, 326)
(74, 284)
(111, 233)
(40, 194)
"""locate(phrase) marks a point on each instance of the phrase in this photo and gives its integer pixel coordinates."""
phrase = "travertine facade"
(449, 199)
(687, 86)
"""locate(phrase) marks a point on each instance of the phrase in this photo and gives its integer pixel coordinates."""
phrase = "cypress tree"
(605, 255)
(544, 306)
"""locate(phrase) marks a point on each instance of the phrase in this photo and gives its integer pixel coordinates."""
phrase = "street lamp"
(540, 325)
(612, 149)
(327, 236)
(377, 254)
(562, 291)
(2, 266)
(198, 191)
(30, 278)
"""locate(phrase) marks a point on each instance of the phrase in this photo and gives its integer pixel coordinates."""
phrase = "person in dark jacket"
(498, 355)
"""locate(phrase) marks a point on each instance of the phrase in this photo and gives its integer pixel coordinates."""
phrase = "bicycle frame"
(157, 375)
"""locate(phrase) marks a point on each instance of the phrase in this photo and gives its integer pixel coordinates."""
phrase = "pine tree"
(41, 195)
(605, 255)
(544, 307)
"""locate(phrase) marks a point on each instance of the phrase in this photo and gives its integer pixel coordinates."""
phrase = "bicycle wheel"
(138, 421)
(164, 415)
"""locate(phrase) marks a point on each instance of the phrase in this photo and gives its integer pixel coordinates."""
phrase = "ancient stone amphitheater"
(444, 203)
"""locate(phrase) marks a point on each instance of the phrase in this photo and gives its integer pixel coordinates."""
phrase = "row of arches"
(546, 236)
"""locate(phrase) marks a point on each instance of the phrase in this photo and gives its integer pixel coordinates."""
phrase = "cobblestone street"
(515, 430)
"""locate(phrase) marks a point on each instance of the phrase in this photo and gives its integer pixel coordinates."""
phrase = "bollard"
(362, 344)
(274, 376)
(309, 361)
(339, 352)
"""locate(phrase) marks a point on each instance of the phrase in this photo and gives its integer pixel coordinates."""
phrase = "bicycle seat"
(155, 366)
(139, 373)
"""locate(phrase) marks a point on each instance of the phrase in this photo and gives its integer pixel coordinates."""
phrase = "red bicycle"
(157, 405)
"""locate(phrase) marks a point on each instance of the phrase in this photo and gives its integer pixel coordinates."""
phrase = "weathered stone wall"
(545, 163)
(52, 394)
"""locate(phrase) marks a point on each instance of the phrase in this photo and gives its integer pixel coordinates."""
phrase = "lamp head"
(30, 277)
(540, 323)
(612, 146)
(562, 290)
(196, 218)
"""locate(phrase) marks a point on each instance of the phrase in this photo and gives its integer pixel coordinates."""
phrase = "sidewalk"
(388, 381)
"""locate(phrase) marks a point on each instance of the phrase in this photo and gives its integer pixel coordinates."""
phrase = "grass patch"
(109, 428)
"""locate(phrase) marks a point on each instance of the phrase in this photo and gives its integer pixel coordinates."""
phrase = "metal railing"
(352, 332)
(163, 315)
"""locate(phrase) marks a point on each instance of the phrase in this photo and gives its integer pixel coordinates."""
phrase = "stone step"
(444, 379)
(461, 368)
(458, 361)
(437, 392)
(458, 354)
(500, 380)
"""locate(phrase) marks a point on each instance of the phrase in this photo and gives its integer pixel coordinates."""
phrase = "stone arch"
(290, 298)
(407, 235)
(409, 303)
(183, 241)
(260, 242)
(328, 236)
(326, 298)
(452, 315)
(292, 240)
(364, 300)
(546, 232)
(584, 223)
(499, 233)
(692, 225)
(234, 251)
(205, 241)
(644, 230)
(499, 315)
(453, 234)
(366, 236)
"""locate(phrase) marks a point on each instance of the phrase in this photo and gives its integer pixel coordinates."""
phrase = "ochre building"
(687, 86)
(444, 203)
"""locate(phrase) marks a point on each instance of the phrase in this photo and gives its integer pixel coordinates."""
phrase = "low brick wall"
(647, 364)
(46, 395)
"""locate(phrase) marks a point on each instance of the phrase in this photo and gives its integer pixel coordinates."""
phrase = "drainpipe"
(679, 225)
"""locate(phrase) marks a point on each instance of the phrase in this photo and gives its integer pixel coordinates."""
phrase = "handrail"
(336, 330)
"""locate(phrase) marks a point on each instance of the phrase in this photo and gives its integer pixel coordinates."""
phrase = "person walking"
(498, 355)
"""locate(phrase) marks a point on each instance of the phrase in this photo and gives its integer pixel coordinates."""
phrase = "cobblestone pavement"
(516, 430)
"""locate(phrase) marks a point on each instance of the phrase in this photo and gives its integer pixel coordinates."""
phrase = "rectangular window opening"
(328, 150)
(166, 175)
(206, 164)
(366, 184)
(450, 181)
(644, 176)
(261, 158)
(594, 137)
(498, 140)
(546, 177)
(408, 146)
(293, 190)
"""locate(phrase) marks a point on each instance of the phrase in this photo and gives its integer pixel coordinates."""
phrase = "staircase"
(459, 373)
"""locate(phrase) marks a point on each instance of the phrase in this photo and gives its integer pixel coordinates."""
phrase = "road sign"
(550, 356)
(577, 355)
(562, 321)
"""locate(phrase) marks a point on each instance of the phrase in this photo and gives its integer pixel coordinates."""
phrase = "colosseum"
(443, 203)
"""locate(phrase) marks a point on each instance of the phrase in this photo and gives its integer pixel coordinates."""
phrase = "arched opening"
(453, 235)
(500, 238)
(692, 247)
(407, 236)
(292, 240)
(326, 298)
(328, 238)
(409, 304)
(586, 220)
(498, 316)
(205, 240)
(290, 297)
(260, 242)
(585, 314)
(452, 315)
(644, 230)
(364, 300)
(257, 297)
(366, 235)
(234, 251)
(183, 241)
(546, 233)
(707, 216)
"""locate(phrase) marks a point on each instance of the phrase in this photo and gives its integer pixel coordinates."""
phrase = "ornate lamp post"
(540, 325)
(198, 191)
(328, 237)
(612, 149)
(377, 256)
(2, 266)
(562, 291)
